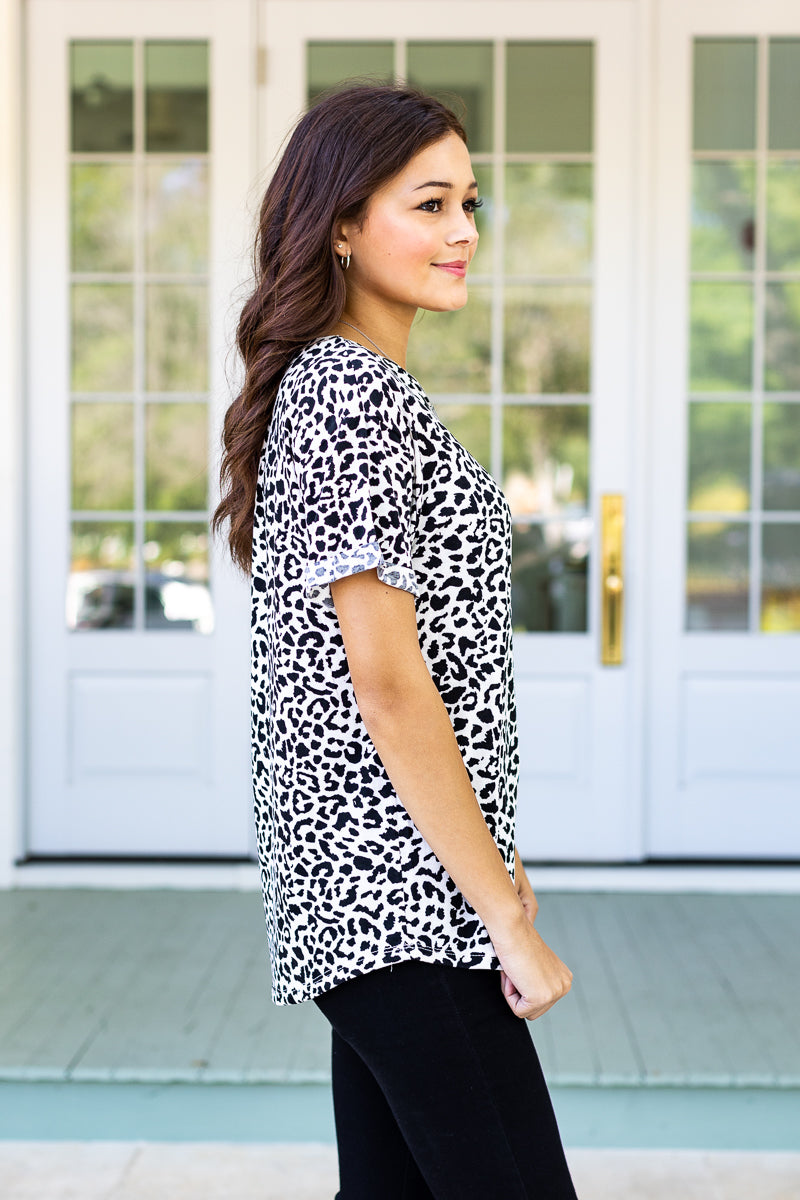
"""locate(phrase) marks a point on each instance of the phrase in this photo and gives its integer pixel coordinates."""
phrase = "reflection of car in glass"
(105, 600)
(548, 575)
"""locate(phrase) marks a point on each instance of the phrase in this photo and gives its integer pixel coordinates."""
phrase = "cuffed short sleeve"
(355, 458)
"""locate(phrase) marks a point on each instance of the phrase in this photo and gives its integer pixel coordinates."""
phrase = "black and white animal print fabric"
(358, 471)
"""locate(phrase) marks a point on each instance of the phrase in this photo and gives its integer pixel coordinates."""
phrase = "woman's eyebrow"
(441, 183)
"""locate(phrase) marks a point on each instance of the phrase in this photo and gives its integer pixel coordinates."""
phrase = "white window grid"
(758, 277)
(138, 278)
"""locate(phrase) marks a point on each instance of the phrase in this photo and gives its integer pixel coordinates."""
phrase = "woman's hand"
(533, 977)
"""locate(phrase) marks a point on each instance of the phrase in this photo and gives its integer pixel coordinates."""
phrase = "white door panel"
(724, 778)
(138, 730)
(579, 726)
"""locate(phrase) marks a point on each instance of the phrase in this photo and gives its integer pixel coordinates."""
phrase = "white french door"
(724, 777)
(535, 376)
(140, 160)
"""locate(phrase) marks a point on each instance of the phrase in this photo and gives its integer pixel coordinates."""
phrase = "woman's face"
(418, 237)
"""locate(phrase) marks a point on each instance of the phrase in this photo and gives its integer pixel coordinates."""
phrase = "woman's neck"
(376, 329)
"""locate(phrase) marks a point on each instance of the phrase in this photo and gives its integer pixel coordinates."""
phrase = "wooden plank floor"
(669, 989)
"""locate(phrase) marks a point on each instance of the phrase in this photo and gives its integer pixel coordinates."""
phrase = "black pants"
(437, 1090)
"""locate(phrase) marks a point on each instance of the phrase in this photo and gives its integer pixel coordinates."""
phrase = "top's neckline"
(338, 337)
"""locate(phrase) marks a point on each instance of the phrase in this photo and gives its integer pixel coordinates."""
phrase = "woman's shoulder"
(333, 371)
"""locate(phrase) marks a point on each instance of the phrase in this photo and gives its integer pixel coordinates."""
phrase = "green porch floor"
(146, 1014)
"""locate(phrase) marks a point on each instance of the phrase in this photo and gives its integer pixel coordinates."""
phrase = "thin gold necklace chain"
(350, 325)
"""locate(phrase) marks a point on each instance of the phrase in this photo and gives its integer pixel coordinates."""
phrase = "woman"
(384, 739)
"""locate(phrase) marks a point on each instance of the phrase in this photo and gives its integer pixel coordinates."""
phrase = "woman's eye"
(472, 205)
(426, 205)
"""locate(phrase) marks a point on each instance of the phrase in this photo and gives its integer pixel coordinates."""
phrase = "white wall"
(12, 726)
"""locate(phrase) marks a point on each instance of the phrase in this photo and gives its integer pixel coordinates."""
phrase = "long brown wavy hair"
(346, 147)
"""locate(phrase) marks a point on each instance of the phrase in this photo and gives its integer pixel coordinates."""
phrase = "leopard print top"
(358, 471)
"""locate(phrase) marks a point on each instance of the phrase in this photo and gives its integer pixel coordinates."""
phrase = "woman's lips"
(454, 268)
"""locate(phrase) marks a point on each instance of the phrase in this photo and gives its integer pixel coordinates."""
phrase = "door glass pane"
(458, 71)
(717, 575)
(100, 591)
(176, 576)
(102, 96)
(784, 93)
(176, 220)
(176, 456)
(782, 456)
(177, 337)
(176, 96)
(721, 345)
(526, 329)
(102, 456)
(780, 593)
(330, 63)
(752, 318)
(450, 352)
(144, 214)
(547, 338)
(549, 222)
(102, 216)
(782, 337)
(724, 93)
(549, 88)
(723, 215)
(719, 457)
(471, 425)
(102, 337)
(548, 575)
(783, 216)
(546, 458)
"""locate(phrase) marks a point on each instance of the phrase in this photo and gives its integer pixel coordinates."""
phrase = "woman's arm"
(411, 729)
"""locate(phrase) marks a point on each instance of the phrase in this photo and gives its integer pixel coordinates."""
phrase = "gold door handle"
(613, 577)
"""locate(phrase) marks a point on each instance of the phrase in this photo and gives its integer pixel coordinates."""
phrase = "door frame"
(612, 696)
(680, 661)
(217, 662)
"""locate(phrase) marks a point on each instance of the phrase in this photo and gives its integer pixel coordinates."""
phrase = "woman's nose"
(465, 232)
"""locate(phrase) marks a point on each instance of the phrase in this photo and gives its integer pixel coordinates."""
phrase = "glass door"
(726, 666)
(530, 376)
(138, 718)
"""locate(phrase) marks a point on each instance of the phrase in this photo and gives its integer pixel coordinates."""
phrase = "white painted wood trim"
(243, 877)
(12, 576)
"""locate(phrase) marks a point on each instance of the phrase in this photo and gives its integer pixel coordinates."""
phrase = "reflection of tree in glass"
(782, 456)
(783, 216)
(721, 337)
(781, 578)
(546, 457)
(176, 216)
(723, 215)
(470, 424)
(549, 229)
(177, 337)
(450, 352)
(102, 455)
(719, 457)
(102, 337)
(547, 335)
(178, 548)
(717, 575)
(782, 337)
(106, 544)
(176, 457)
(102, 217)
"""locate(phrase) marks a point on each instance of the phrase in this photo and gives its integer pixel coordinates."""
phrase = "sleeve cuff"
(318, 575)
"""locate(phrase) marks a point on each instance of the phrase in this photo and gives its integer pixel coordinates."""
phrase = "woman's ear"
(341, 247)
